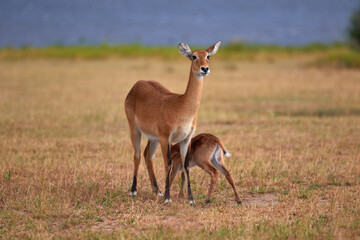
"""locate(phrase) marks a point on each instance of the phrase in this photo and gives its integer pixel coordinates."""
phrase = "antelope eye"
(194, 57)
(208, 57)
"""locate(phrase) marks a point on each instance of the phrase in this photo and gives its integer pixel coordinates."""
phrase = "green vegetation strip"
(333, 55)
(345, 58)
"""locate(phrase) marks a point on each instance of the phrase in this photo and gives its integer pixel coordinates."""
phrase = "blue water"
(164, 22)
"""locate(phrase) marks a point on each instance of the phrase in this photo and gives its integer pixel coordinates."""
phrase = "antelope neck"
(192, 96)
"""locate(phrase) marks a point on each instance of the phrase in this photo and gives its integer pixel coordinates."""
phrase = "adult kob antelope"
(207, 152)
(165, 117)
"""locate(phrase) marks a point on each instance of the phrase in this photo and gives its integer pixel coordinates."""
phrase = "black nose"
(204, 69)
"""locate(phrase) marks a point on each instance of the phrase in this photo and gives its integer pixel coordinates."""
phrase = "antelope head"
(200, 58)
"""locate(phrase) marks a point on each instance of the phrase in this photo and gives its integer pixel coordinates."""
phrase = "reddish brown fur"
(202, 149)
(166, 117)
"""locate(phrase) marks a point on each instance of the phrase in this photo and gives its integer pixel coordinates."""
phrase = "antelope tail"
(227, 154)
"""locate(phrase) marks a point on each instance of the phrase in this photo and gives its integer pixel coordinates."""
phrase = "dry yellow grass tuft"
(66, 158)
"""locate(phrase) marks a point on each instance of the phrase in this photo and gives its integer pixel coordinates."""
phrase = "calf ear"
(185, 50)
(213, 49)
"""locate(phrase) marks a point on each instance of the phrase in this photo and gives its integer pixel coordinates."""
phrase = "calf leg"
(232, 183)
(218, 162)
(181, 192)
(187, 177)
(174, 170)
(213, 172)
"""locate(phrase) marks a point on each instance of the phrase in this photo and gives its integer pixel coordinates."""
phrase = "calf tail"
(221, 145)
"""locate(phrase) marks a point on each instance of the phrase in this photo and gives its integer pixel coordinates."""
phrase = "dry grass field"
(66, 158)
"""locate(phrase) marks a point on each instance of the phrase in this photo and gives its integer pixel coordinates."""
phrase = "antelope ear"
(185, 50)
(213, 49)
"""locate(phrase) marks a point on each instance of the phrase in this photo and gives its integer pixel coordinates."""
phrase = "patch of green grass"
(345, 58)
(314, 186)
(259, 48)
(307, 192)
(7, 175)
(237, 50)
(87, 52)
(296, 179)
(259, 189)
(333, 180)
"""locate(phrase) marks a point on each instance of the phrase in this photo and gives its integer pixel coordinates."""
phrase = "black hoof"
(207, 201)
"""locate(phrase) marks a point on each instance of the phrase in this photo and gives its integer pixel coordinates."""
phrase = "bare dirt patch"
(106, 225)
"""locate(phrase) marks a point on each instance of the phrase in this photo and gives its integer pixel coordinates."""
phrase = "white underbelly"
(150, 137)
(181, 133)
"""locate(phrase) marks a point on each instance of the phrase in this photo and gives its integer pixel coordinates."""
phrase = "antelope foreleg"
(187, 177)
(166, 151)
